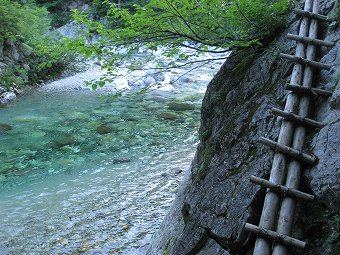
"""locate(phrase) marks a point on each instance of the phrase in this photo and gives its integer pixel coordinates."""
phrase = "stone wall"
(216, 197)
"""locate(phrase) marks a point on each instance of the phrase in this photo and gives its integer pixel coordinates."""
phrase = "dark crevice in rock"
(186, 213)
(200, 243)
(224, 243)
(228, 244)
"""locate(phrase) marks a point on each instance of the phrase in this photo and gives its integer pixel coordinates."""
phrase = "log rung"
(311, 15)
(310, 40)
(298, 119)
(275, 236)
(281, 189)
(308, 90)
(293, 153)
(300, 60)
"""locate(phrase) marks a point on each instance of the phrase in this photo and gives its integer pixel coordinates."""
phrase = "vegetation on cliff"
(202, 26)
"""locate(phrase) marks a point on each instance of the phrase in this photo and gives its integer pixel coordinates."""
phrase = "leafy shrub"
(13, 76)
(25, 20)
(54, 54)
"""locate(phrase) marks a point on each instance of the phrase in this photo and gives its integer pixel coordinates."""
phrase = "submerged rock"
(181, 106)
(104, 129)
(65, 141)
(168, 116)
(121, 160)
(5, 127)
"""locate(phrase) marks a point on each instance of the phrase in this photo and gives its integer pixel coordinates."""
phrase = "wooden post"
(305, 61)
(311, 15)
(287, 211)
(289, 151)
(298, 119)
(278, 171)
(278, 237)
(310, 40)
(281, 189)
(308, 91)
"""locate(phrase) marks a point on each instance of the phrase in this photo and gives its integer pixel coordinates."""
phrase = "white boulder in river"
(7, 97)
(121, 83)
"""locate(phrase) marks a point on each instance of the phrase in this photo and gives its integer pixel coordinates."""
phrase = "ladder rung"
(311, 15)
(266, 233)
(281, 189)
(308, 90)
(310, 159)
(298, 119)
(305, 61)
(310, 40)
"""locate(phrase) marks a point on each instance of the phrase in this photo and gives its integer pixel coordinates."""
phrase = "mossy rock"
(5, 127)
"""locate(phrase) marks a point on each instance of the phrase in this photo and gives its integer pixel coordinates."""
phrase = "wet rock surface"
(216, 197)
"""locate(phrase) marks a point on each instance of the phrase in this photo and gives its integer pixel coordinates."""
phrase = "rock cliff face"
(216, 197)
(13, 55)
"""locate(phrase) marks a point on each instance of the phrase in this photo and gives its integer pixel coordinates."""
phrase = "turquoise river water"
(83, 173)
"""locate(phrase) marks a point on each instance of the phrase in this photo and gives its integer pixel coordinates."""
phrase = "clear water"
(67, 189)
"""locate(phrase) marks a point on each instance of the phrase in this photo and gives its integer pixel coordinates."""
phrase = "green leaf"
(88, 53)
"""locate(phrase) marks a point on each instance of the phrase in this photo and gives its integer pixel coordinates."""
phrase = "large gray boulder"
(216, 197)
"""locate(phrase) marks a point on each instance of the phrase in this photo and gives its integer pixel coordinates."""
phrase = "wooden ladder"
(276, 222)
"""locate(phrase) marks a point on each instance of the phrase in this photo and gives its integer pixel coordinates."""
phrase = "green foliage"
(230, 24)
(173, 23)
(54, 54)
(14, 76)
(334, 222)
(26, 21)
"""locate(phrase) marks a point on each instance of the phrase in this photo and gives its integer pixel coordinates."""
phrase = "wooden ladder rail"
(272, 200)
(294, 172)
(271, 206)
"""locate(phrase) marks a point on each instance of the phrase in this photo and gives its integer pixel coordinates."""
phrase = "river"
(83, 172)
